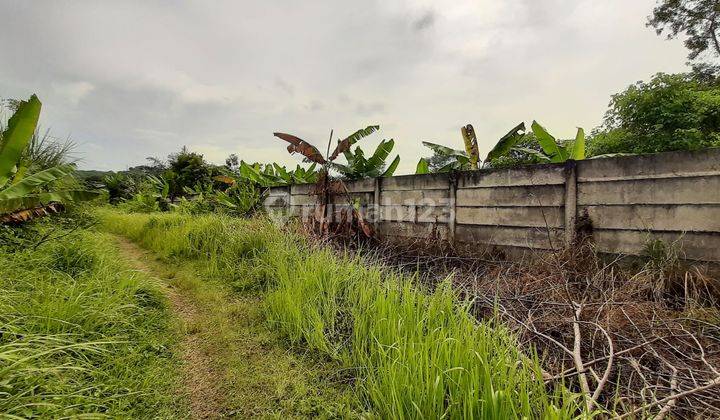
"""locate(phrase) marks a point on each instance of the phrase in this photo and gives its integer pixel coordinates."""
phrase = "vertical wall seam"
(452, 205)
(571, 198)
(376, 204)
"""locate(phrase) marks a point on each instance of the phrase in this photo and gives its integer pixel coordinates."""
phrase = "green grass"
(413, 353)
(253, 372)
(83, 335)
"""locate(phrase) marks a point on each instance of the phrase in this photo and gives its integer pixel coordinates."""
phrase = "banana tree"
(553, 151)
(271, 175)
(459, 160)
(343, 147)
(359, 167)
(24, 197)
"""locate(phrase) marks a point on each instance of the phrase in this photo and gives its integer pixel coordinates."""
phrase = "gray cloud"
(142, 78)
(425, 21)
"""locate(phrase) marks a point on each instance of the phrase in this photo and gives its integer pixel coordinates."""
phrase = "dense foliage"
(670, 112)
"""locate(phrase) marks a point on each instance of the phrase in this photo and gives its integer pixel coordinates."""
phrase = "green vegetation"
(24, 193)
(80, 333)
(272, 175)
(514, 148)
(553, 150)
(446, 159)
(413, 353)
(235, 364)
(357, 165)
(670, 112)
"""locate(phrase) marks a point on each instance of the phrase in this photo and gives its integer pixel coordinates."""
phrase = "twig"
(673, 388)
(606, 375)
(715, 382)
(577, 359)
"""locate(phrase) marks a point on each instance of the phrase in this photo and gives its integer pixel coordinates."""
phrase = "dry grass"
(635, 338)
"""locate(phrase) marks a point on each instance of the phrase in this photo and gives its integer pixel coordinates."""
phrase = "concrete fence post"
(376, 204)
(570, 200)
(452, 194)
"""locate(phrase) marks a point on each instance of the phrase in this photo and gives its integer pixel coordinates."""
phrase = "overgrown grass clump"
(81, 335)
(415, 353)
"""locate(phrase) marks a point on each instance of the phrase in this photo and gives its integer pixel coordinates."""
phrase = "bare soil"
(200, 379)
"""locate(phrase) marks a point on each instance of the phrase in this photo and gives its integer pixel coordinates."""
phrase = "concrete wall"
(670, 196)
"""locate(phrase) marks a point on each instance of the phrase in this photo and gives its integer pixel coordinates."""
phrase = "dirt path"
(235, 365)
(201, 380)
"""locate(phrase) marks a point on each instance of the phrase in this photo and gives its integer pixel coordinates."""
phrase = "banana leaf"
(507, 142)
(30, 183)
(444, 150)
(578, 147)
(377, 160)
(452, 166)
(301, 146)
(471, 145)
(344, 145)
(549, 144)
(8, 205)
(16, 136)
(537, 154)
(392, 167)
(423, 167)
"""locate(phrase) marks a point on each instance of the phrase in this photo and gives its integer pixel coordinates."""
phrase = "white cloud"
(72, 92)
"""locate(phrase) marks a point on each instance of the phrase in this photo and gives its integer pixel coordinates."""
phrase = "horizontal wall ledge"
(553, 217)
(416, 197)
(439, 181)
(419, 231)
(415, 214)
(690, 190)
(520, 196)
(705, 218)
(669, 164)
(278, 191)
(510, 236)
(531, 175)
(694, 246)
(361, 185)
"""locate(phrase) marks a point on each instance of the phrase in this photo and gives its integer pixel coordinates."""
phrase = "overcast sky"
(131, 79)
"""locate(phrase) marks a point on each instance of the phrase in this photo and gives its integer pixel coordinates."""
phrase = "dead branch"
(715, 382)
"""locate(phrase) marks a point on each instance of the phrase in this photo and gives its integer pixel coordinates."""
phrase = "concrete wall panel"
(512, 216)
(693, 190)
(524, 196)
(678, 218)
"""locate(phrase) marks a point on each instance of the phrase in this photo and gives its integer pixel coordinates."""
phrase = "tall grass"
(415, 353)
(80, 335)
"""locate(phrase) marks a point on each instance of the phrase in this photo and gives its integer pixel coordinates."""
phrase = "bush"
(670, 112)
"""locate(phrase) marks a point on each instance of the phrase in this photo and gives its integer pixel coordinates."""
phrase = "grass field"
(82, 334)
(410, 353)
